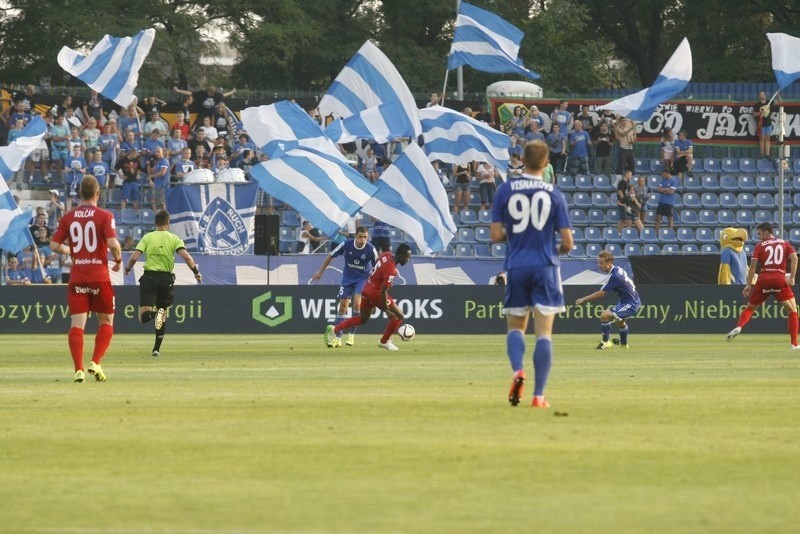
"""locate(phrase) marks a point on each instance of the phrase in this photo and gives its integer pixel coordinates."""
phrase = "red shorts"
(90, 296)
(764, 288)
(374, 301)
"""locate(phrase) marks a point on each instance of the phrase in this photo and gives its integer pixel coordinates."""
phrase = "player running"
(90, 233)
(359, 257)
(528, 212)
(629, 301)
(376, 295)
(771, 254)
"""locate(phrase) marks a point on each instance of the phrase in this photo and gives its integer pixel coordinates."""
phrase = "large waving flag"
(369, 79)
(14, 233)
(453, 137)
(283, 126)
(486, 42)
(411, 197)
(381, 123)
(322, 189)
(785, 58)
(672, 79)
(112, 67)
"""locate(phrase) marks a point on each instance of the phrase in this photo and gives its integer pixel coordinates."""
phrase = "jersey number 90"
(533, 210)
(83, 236)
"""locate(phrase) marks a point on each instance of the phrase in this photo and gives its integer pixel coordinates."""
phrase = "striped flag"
(112, 67)
(381, 123)
(283, 126)
(14, 233)
(369, 79)
(672, 79)
(322, 189)
(486, 42)
(453, 137)
(785, 58)
(411, 197)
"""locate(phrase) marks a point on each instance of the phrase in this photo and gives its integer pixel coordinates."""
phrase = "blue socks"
(623, 335)
(606, 329)
(515, 345)
(339, 319)
(542, 361)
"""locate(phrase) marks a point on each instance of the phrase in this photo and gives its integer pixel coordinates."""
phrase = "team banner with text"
(711, 122)
(227, 310)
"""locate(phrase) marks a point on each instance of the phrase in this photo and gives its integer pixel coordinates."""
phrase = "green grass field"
(279, 434)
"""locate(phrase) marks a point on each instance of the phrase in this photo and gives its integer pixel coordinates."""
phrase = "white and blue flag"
(14, 233)
(452, 137)
(486, 42)
(411, 197)
(112, 67)
(369, 79)
(324, 190)
(672, 79)
(381, 123)
(785, 58)
(283, 126)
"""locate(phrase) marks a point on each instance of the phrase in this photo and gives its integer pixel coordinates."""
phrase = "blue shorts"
(57, 153)
(623, 310)
(346, 291)
(534, 287)
(766, 130)
(130, 191)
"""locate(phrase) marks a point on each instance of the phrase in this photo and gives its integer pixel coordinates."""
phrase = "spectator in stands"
(130, 143)
(109, 144)
(684, 155)
(221, 120)
(371, 166)
(128, 165)
(666, 200)
(629, 209)
(156, 123)
(538, 118)
(75, 139)
(59, 133)
(151, 104)
(201, 158)
(515, 166)
(200, 140)
(246, 161)
(434, 100)
(518, 123)
(220, 163)
(484, 116)
(579, 146)
(309, 239)
(75, 167)
(763, 114)
(516, 146)
(55, 210)
(186, 110)
(91, 137)
(99, 169)
(158, 177)
(557, 142)
(206, 99)
(37, 272)
(562, 117)
(128, 123)
(52, 266)
(40, 223)
(667, 148)
(93, 107)
(129, 243)
(588, 118)
(175, 146)
(486, 185)
(41, 154)
(27, 98)
(15, 276)
(150, 145)
(625, 134)
(183, 166)
(461, 186)
(641, 196)
(180, 124)
(603, 141)
(533, 133)
(381, 235)
(242, 143)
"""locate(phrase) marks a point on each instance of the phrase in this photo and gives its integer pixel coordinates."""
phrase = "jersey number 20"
(534, 210)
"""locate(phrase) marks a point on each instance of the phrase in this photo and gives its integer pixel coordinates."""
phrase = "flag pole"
(444, 89)
(781, 161)
(460, 71)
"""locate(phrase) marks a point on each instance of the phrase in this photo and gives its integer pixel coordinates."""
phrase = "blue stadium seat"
(729, 200)
(711, 165)
(466, 235)
(667, 235)
(498, 250)
(686, 235)
(468, 217)
(763, 216)
(765, 183)
(114, 213)
(578, 251)
(601, 182)
(481, 251)
(705, 235)
(671, 248)
(649, 216)
(583, 183)
(765, 165)
(642, 166)
(691, 200)
(710, 200)
(796, 218)
(612, 216)
(747, 165)
(615, 249)
(730, 165)
(592, 234)
(290, 218)
(656, 165)
(692, 183)
(651, 249)
(728, 182)
(285, 247)
(578, 216)
(630, 234)
(748, 249)
(582, 199)
(648, 235)
(633, 249)
(788, 201)
(577, 235)
(726, 217)
(690, 248)
(747, 200)
(600, 200)
(485, 216)
(653, 180)
(795, 182)
(745, 217)
(794, 236)
(115, 196)
(568, 198)
(474, 200)
(483, 235)
(565, 182)
(708, 217)
(450, 251)
(464, 251)
(396, 235)
(137, 232)
(652, 200)
(147, 217)
(746, 182)
(765, 200)
(689, 217)
(597, 216)
(709, 248)
(796, 166)
(710, 182)
(122, 233)
(287, 234)
(129, 216)
(610, 235)
(593, 249)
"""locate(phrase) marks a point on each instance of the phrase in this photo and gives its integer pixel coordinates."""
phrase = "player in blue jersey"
(629, 302)
(528, 213)
(359, 257)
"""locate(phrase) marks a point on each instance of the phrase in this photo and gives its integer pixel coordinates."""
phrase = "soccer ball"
(406, 332)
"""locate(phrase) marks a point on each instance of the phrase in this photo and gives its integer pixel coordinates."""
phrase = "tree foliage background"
(302, 45)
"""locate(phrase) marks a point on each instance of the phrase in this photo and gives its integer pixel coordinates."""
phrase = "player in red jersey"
(376, 295)
(771, 254)
(89, 234)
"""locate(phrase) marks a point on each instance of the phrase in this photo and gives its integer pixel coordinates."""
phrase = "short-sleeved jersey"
(357, 262)
(532, 211)
(684, 144)
(382, 275)
(86, 229)
(619, 283)
(772, 256)
(670, 183)
(159, 248)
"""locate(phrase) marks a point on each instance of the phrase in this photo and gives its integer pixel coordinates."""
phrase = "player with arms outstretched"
(529, 213)
(376, 295)
(359, 257)
(771, 254)
(89, 233)
(628, 305)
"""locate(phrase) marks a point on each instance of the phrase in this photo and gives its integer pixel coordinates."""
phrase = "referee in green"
(157, 283)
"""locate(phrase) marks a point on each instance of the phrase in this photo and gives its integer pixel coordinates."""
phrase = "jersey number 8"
(534, 210)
